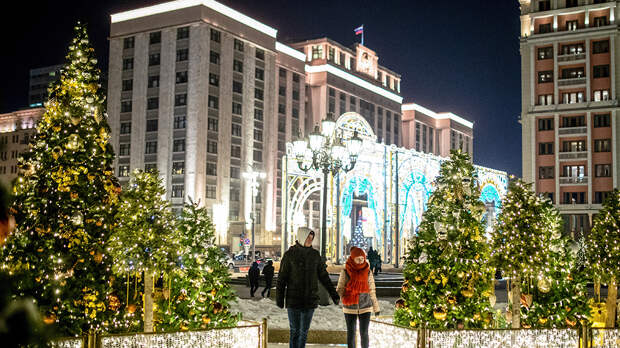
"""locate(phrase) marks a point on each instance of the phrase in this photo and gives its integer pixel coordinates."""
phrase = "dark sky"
(459, 56)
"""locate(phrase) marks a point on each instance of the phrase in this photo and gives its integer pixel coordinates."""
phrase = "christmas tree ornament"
(75, 120)
(49, 318)
(73, 142)
(440, 314)
(544, 285)
(467, 292)
(131, 308)
(114, 302)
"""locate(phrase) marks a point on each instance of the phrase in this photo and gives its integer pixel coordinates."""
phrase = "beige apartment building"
(437, 133)
(16, 130)
(569, 104)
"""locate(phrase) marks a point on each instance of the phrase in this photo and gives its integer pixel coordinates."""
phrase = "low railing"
(75, 342)
(383, 333)
(514, 338)
(605, 338)
(573, 155)
(571, 57)
(573, 180)
(572, 81)
(572, 130)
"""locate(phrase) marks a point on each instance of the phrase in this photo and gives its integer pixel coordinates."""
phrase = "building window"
(211, 169)
(602, 145)
(153, 81)
(258, 135)
(545, 76)
(544, 5)
(573, 171)
(281, 108)
(601, 71)
(600, 196)
(236, 129)
(545, 148)
(214, 80)
(235, 173)
(236, 108)
(150, 147)
(600, 46)
(178, 145)
(602, 95)
(260, 54)
(182, 33)
(295, 112)
(573, 121)
(123, 171)
(259, 74)
(181, 77)
(127, 63)
(211, 146)
(573, 73)
(180, 99)
(258, 156)
(258, 114)
(213, 102)
(574, 197)
(572, 25)
(126, 106)
(182, 54)
(152, 103)
(572, 49)
(235, 151)
(127, 85)
(214, 57)
(125, 128)
(258, 93)
(545, 124)
(215, 35)
(601, 121)
(151, 125)
(212, 124)
(602, 170)
(546, 172)
(154, 59)
(178, 168)
(545, 53)
(155, 38)
(317, 52)
(238, 66)
(234, 194)
(545, 99)
(574, 146)
(282, 73)
(211, 191)
(180, 122)
(282, 91)
(572, 97)
(282, 125)
(600, 21)
(123, 149)
(237, 87)
(544, 28)
(177, 191)
(331, 54)
(238, 44)
(129, 42)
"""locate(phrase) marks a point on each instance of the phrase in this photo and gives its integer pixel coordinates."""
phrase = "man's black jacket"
(301, 269)
(268, 273)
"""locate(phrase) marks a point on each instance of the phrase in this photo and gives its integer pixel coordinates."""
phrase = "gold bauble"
(544, 285)
(412, 323)
(98, 257)
(56, 152)
(113, 302)
(417, 278)
(131, 308)
(206, 319)
(542, 321)
(200, 260)
(460, 274)
(440, 314)
(49, 319)
(75, 120)
(73, 142)
(74, 195)
(400, 303)
(468, 293)
(451, 300)
(476, 316)
(437, 281)
(213, 292)
(571, 323)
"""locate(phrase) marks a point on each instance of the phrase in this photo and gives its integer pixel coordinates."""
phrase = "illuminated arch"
(360, 185)
(416, 183)
(350, 122)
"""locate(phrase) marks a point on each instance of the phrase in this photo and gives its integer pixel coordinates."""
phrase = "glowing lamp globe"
(328, 125)
(316, 139)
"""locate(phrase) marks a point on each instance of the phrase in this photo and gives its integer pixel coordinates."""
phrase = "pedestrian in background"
(301, 270)
(356, 287)
(268, 273)
(254, 275)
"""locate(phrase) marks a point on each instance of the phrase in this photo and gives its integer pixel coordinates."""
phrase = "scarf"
(358, 281)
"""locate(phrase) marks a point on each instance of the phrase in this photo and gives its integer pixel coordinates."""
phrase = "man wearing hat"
(301, 269)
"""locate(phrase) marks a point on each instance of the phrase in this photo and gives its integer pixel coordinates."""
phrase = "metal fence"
(605, 338)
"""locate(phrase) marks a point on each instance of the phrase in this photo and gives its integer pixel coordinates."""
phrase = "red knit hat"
(355, 252)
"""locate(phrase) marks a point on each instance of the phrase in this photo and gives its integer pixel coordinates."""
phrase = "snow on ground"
(325, 317)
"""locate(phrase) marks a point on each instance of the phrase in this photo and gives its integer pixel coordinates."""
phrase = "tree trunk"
(612, 295)
(148, 301)
(515, 288)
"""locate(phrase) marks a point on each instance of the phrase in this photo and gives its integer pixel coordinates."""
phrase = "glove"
(336, 299)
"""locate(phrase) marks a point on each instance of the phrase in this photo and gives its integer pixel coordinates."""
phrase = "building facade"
(435, 133)
(40, 80)
(569, 104)
(16, 130)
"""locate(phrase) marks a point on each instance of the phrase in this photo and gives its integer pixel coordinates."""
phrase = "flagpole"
(362, 34)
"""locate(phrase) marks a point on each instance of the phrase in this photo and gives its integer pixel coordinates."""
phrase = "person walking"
(356, 287)
(254, 275)
(268, 273)
(301, 270)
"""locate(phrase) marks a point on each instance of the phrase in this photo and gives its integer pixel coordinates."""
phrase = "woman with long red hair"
(356, 287)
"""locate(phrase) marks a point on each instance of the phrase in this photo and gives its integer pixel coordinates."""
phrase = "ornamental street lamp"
(326, 151)
(253, 176)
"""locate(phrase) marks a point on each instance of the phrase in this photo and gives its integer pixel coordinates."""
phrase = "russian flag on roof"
(359, 30)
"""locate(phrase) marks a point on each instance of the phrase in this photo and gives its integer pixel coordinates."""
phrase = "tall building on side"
(436, 133)
(40, 80)
(16, 130)
(569, 104)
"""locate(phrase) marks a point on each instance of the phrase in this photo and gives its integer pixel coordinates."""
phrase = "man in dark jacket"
(254, 275)
(301, 269)
(268, 273)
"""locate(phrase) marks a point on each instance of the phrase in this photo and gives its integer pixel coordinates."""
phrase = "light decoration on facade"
(605, 338)
(354, 79)
(280, 47)
(220, 219)
(181, 4)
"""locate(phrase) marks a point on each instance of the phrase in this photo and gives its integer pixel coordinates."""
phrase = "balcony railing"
(573, 155)
(570, 57)
(569, 180)
(572, 81)
(572, 131)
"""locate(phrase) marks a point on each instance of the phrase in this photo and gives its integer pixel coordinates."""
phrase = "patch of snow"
(324, 318)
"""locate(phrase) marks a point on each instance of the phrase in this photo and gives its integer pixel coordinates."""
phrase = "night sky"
(458, 56)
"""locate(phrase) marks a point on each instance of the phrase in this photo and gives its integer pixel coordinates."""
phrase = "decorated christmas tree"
(64, 204)
(521, 240)
(198, 295)
(144, 241)
(603, 251)
(448, 278)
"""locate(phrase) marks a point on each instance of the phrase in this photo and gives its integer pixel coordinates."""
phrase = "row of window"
(598, 71)
(574, 171)
(598, 47)
(155, 38)
(574, 97)
(15, 139)
(546, 124)
(573, 25)
(600, 145)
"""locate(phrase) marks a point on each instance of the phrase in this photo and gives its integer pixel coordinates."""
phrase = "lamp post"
(325, 150)
(252, 176)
